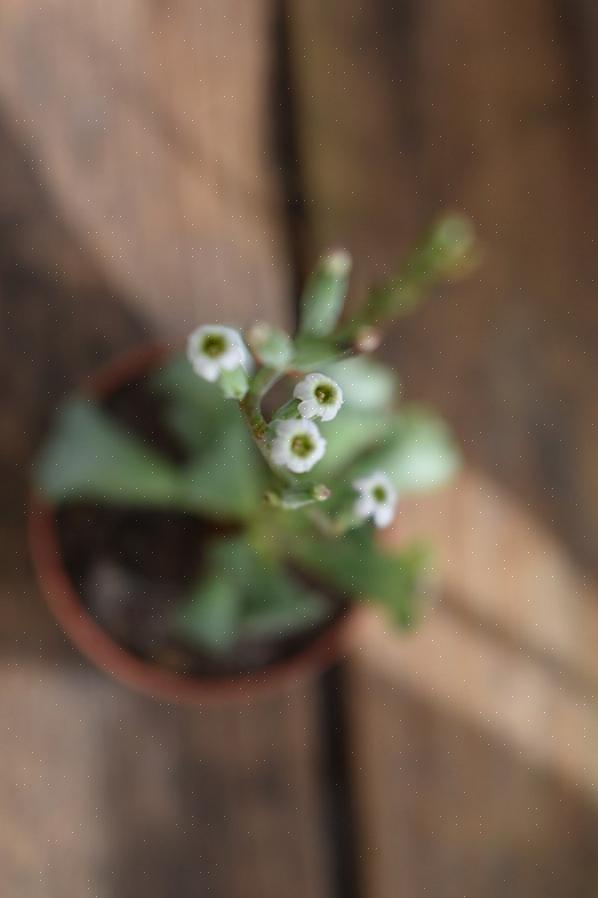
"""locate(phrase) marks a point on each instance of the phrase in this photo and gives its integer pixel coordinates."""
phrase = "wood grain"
(152, 127)
(109, 793)
(138, 194)
(481, 776)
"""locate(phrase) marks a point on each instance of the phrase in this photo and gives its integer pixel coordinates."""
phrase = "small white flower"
(214, 348)
(321, 397)
(377, 499)
(298, 445)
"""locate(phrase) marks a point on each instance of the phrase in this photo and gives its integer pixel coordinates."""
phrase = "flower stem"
(251, 405)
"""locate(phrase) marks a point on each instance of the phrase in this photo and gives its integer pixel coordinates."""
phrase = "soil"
(133, 568)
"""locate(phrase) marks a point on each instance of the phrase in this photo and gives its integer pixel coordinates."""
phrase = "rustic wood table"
(164, 164)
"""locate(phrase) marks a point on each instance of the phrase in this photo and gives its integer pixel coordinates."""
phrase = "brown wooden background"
(162, 164)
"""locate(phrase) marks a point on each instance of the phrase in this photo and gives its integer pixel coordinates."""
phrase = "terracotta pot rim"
(326, 646)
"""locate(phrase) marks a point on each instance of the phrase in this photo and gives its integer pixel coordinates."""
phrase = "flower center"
(325, 394)
(302, 445)
(213, 345)
(379, 494)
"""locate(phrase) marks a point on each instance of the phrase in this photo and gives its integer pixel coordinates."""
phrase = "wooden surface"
(164, 164)
(104, 792)
(485, 722)
(151, 127)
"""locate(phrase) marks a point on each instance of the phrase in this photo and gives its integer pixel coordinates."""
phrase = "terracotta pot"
(326, 646)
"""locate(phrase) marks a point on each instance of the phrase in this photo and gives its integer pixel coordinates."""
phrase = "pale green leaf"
(357, 567)
(417, 453)
(227, 479)
(246, 595)
(365, 383)
(196, 411)
(211, 615)
(89, 456)
(352, 432)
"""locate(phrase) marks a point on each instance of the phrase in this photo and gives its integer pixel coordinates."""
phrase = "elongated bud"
(451, 244)
(324, 295)
(270, 345)
(234, 384)
(368, 339)
(292, 499)
(446, 250)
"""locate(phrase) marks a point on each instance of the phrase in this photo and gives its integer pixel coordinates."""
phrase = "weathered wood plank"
(153, 200)
(152, 127)
(106, 792)
(482, 774)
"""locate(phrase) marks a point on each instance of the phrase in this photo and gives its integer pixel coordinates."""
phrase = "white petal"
(206, 368)
(364, 507)
(299, 465)
(309, 408)
(303, 390)
(287, 428)
(384, 514)
(231, 359)
(279, 452)
(328, 412)
(365, 484)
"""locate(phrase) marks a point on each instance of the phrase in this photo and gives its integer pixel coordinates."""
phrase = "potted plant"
(203, 524)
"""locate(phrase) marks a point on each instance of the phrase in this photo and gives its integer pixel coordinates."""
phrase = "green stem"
(251, 406)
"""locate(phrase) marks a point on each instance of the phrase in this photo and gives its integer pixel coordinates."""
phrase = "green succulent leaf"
(89, 456)
(196, 411)
(227, 479)
(224, 478)
(356, 566)
(366, 383)
(246, 595)
(210, 617)
(417, 452)
(278, 606)
(351, 433)
(313, 352)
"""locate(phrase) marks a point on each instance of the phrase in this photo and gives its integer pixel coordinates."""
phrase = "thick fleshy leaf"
(351, 433)
(225, 475)
(88, 456)
(196, 410)
(227, 480)
(356, 566)
(278, 606)
(417, 452)
(312, 353)
(246, 595)
(211, 615)
(365, 383)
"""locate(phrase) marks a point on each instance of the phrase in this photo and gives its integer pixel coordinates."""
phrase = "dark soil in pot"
(132, 568)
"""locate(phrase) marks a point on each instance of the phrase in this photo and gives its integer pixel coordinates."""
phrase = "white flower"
(214, 348)
(321, 397)
(298, 445)
(377, 499)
